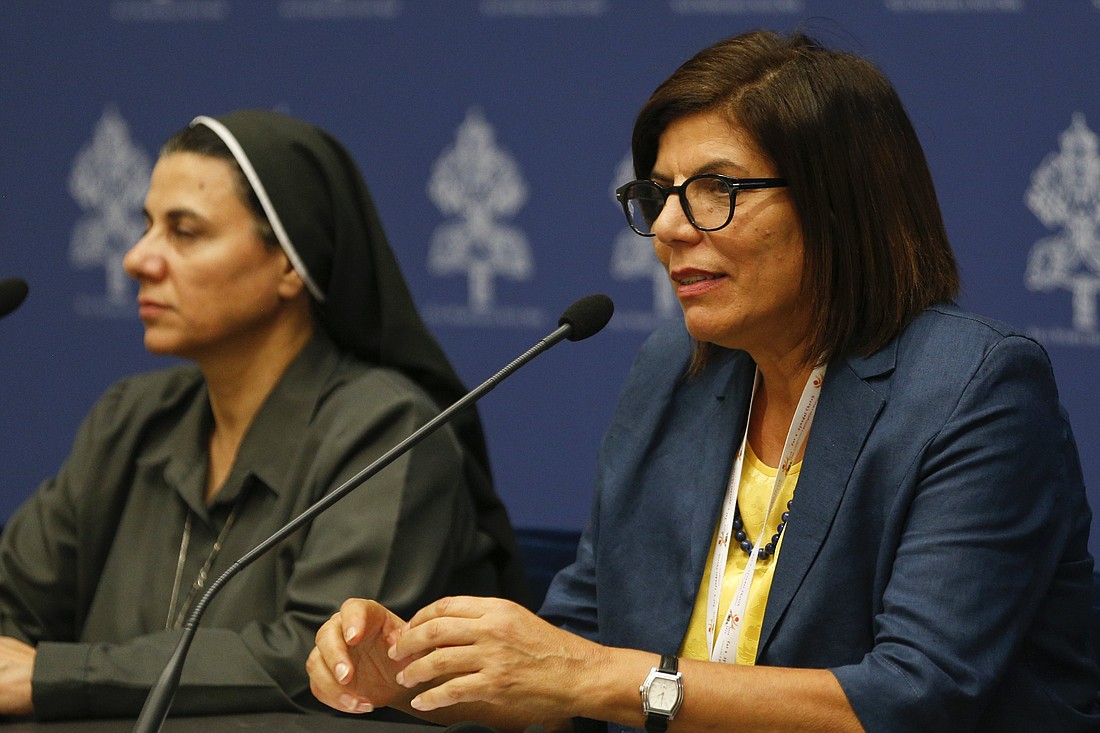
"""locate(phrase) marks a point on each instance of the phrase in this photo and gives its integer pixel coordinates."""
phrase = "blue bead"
(743, 539)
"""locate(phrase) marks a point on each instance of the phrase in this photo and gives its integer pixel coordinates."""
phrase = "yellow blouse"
(757, 480)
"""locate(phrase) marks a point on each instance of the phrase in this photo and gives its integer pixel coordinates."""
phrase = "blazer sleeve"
(995, 499)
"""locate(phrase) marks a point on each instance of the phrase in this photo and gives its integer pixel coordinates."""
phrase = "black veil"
(323, 216)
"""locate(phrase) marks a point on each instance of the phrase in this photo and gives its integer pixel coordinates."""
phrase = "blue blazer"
(936, 555)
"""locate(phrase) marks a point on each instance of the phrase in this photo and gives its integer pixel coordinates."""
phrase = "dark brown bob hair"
(876, 251)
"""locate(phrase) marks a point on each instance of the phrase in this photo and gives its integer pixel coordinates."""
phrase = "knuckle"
(432, 631)
(324, 629)
(437, 661)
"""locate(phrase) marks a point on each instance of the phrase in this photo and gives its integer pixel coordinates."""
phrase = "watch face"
(663, 693)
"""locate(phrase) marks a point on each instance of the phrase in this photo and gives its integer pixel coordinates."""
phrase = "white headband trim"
(261, 193)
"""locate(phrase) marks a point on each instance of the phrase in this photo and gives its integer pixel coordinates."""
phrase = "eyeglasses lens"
(644, 203)
(706, 201)
(710, 201)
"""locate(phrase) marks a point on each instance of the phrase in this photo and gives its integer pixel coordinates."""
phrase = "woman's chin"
(161, 346)
(704, 328)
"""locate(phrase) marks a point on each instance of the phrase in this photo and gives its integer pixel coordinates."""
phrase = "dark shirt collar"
(270, 445)
(272, 442)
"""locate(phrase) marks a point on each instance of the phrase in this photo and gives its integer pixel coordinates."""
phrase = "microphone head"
(587, 316)
(12, 292)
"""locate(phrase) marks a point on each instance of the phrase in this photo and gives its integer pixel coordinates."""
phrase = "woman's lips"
(150, 308)
(691, 283)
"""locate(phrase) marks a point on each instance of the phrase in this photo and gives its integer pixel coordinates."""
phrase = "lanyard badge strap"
(725, 650)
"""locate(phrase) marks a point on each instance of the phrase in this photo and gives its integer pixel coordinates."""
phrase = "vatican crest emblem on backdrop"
(108, 180)
(1065, 196)
(478, 185)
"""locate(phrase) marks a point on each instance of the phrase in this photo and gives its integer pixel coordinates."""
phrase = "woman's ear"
(291, 284)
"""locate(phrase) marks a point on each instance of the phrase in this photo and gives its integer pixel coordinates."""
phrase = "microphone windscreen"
(12, 292)
(587, 316)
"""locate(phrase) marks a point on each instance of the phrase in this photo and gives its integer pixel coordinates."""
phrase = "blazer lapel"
(723, 434)
(848, 409)
(719, 403)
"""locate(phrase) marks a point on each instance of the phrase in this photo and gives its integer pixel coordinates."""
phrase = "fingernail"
(352, 705)
(364, 707)
(341, 672)
(392, 652)
(416, 703)
(349, 633)
(401, 678)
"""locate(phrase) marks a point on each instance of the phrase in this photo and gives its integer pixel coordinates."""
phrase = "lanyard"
(725, 650)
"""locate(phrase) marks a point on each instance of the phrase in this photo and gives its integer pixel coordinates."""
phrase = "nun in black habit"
(264, 266)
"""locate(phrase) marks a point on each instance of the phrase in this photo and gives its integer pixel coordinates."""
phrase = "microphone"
(579, 321)
(12, 292)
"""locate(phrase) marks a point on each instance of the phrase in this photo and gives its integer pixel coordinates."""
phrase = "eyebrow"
(175, 215)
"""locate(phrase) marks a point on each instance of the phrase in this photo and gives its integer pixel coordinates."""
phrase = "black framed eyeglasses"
(707, 199)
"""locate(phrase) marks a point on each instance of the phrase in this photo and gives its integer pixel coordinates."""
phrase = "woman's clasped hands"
(458, 650)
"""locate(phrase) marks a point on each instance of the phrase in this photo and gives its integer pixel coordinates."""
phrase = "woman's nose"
(143, 260)
(672, 224)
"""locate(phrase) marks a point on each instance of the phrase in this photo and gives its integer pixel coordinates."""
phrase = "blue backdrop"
(492, 133)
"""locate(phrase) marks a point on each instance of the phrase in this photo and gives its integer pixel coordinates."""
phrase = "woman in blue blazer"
(829, 499)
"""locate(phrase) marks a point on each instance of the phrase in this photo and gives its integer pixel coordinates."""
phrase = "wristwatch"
(662, 694)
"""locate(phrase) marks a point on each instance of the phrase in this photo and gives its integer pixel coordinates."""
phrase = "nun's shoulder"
(144, 395)
(371, 389)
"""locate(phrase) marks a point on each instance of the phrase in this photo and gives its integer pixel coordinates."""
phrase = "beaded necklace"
(742, 537)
